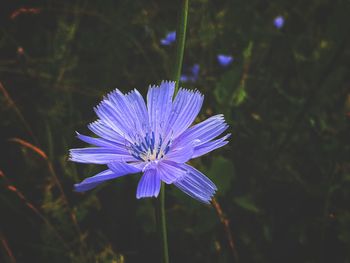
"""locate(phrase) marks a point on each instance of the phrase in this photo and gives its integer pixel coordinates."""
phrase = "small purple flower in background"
(169, 39)
(154, 138)
(195, 70)
(193, 76)
(278, 22)
(224, 60)
(184, 78)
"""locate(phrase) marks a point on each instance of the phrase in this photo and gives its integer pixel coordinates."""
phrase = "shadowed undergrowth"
(283, 180)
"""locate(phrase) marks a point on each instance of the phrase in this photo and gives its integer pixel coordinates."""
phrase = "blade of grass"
(7, 248)
(30, 205)
(226, 223)
(13, 105)
(57, 182)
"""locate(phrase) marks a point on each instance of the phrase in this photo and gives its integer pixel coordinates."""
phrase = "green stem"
(163, 224)
(180, 47)
(180, 42)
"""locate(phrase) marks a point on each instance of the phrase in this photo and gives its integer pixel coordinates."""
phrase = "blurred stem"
(180, 42)
(164, 237)
(180, 47)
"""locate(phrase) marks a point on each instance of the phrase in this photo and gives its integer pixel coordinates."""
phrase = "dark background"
(283, 179)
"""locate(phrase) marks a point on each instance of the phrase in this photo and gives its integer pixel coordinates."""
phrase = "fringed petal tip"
(196, 185)
(111, 94)
(148, 196)
(74, 156)
(208, 201)
(167, 82)
(192, 91)
(204, 199)
(209, 198)
(163, 84)
(226, 136)
(70, 156)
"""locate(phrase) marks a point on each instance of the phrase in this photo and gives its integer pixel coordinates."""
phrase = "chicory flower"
(224, 60)
(169, 39)
(278, 22)
(192, 76)
(153, 138)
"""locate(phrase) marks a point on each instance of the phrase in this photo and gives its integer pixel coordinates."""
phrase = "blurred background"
(283, 179)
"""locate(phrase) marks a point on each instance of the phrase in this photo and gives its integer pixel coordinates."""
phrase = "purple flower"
(224, 60)
(193, 76)
(278, 22)
(185, 78)
(195, 70)
(169, 39)
(154, 138)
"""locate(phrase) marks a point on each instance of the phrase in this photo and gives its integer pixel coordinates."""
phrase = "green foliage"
(222, 172)
(246, 203)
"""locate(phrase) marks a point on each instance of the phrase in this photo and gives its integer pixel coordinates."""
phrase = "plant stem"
(180, 42)
(180, 47)
(165, 255)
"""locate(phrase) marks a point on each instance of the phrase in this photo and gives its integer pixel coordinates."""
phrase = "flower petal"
(119, 114)
(169, 171)
(202, 132)
(210, 146)
(196, 185)
(98, 141)
(115, 170)
(149, 184)
(96, 180)
(159, 104)
(100, 155)
(107, 113)
(82, 187)
(139, 107)
(180, 154)
(125, 168)
(186, 107)
(103, 130)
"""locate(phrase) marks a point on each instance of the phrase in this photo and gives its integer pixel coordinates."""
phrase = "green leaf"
(247, 53)
(239, 96)
(246, 203)
(226, 84)
(222, 173)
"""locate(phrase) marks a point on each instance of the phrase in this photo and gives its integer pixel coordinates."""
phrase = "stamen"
(149, 149)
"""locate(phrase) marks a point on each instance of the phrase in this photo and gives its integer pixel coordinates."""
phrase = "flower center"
(149, 148)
